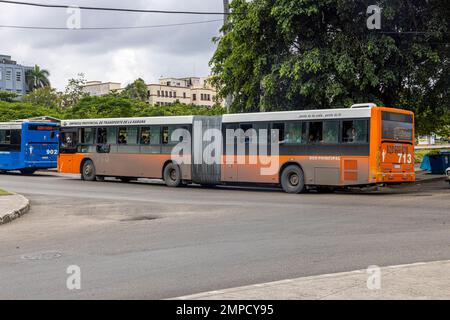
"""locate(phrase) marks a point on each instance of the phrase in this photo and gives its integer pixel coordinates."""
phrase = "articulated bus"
(28, 146)
(320, 149)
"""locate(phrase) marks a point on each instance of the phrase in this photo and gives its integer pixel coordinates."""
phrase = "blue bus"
(28, 146)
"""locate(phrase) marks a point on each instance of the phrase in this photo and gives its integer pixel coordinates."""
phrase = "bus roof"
(319, 114)
(10, 125)
(127, 121)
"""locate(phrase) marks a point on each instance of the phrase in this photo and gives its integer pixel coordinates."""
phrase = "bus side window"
(330, 133)
(69, 140)
(16, 137)
(355, 131)
(101, 136)
(10, 140)
(295, 133)
(123, 136)
(315, 132)
(87, 135)
(246, 127)
(145, 136)
(165, 135)
(155, 135)
(280, 127)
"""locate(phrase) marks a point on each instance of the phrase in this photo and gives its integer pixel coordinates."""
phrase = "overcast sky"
(117, 55)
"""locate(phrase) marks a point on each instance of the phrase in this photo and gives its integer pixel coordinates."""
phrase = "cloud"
(113, 55)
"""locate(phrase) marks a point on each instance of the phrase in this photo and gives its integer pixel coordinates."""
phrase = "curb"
(14, 214)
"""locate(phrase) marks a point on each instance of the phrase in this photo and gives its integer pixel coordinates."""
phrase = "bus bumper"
(397, 177)
(41, 164)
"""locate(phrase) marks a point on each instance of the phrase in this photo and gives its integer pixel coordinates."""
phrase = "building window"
(8, 75)
(159, 93)
(184, 95)
(170, 94)
(174, 94)
(18, 76)
(194, 97)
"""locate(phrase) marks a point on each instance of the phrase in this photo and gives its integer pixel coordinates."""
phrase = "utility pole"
(226, 10)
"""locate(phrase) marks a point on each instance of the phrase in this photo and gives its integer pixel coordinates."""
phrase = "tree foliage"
(73, 92)
(37, 78)
(8, 96)
(46, 97)
(305, 54)
(137, 90)
(110, 106)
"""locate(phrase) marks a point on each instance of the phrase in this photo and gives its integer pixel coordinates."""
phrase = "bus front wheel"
(88, 171)
(293, 179)
(172, 175)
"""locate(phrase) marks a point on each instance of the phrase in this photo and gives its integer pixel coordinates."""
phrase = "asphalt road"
(141, 240)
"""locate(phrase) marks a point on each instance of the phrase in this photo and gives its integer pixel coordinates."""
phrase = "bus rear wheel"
(27, 171)
(293, 179)
(172, 175)
(88, 171)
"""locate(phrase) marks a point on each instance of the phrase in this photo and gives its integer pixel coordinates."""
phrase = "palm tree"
(37, 78)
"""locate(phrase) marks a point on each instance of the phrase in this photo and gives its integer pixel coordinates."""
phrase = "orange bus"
(320, 149)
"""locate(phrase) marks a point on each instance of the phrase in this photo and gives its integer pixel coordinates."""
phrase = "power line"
(33, 4)
(108, 28)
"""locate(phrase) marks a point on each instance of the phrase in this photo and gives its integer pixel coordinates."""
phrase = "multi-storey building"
(12, 76)
(194, 90)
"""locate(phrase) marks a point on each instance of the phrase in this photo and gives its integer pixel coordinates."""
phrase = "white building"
(193, 90)
(98, 88)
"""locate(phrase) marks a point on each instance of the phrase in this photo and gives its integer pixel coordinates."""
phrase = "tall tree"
(74, 91)
(137, 90)
(37, 78)
(308, 54)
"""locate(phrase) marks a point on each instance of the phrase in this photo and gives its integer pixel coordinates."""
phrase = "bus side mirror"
(103, 148)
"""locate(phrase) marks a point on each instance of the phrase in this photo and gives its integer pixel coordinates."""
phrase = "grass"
(418, 154)
(4, 193)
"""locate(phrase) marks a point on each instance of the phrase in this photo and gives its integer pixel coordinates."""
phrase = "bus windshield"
(397, 126)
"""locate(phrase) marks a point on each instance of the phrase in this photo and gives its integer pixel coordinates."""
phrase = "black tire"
(88, 171)
(172, 175)
(27, 171)
(293, 179)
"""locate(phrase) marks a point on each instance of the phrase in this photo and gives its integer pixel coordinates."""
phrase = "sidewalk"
(12, 207)
(414, 281)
